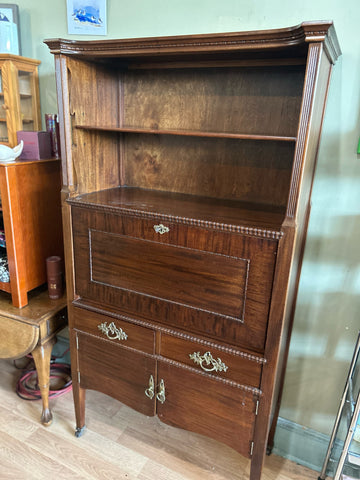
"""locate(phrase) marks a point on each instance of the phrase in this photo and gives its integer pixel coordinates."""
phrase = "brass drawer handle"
(112, 331)
(206, 360)
(161, 229)
(161, 393)
(150, 392)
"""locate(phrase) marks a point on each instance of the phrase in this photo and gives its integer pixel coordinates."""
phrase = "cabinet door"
(122, 373)
(4, 134)
(203, 405)
(27, 95)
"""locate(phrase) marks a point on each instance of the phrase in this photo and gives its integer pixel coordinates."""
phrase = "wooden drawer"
(204, 405)
(238, 366)
(117, 331)
(121, 373)
(210, 282)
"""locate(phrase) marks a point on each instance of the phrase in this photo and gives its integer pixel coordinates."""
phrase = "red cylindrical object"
(54, 277)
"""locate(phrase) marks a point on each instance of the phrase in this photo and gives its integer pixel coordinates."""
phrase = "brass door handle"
(150, 392)
(161, 393)
(208, 363)
(112, 331)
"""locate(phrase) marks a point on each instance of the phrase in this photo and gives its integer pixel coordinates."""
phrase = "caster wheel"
(79, 431)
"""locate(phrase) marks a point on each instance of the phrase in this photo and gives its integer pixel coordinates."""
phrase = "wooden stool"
(33, 329)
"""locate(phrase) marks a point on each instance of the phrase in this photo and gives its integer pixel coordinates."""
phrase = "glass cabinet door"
(26, 91)
(4, 136)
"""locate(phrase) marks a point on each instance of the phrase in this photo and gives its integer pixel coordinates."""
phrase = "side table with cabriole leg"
(33, 329)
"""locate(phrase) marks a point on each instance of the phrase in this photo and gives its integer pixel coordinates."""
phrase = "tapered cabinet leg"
(42, 357)
(79, 402)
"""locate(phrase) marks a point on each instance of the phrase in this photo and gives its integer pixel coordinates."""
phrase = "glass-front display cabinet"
(19, 97)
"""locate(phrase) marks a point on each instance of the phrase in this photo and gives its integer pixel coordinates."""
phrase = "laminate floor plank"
(9, 471)
(75, 454)
(15, 425)
(33, 461)
(118, 443)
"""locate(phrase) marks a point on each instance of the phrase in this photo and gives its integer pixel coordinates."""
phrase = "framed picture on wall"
(9, 29)
(86, 17)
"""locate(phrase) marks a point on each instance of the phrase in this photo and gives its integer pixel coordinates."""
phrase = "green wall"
(328, 311)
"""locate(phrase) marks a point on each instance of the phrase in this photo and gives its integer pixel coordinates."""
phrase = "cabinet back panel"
(258, 100)
(255, 172)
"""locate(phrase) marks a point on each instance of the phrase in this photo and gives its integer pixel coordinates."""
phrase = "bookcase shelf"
(187, 133)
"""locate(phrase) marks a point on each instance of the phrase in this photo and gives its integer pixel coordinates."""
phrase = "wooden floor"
(118, 444)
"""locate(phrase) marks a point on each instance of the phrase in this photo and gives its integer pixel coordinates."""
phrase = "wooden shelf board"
(218, 214)
(188, 133)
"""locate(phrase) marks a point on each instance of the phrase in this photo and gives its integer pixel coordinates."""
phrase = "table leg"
(42, 357)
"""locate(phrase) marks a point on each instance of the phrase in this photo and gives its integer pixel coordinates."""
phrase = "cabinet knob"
(161, 229)
(112, 331)
(208, 363)
(150, 392)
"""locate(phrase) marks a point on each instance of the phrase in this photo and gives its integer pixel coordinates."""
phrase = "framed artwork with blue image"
(86, 17)
(9, 29)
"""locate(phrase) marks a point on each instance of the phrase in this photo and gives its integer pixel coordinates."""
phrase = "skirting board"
(300, 444)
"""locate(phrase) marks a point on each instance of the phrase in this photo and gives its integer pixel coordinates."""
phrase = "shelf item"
(19, 97)
(2, 239)
(4, 269)
(31, 212)
(186, 185)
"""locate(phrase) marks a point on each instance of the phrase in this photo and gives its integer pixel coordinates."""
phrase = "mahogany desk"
(33, 329)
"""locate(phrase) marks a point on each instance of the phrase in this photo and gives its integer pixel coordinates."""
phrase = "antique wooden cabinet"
(30, 217)
(19, 97)
(187, 170)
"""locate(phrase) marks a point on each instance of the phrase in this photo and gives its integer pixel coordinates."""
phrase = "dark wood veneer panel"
(262, 100)
(205, 406)
(240, 369)
(137, 337)
(211, 167)
(191, 278)
(258, 251)
(118, 372)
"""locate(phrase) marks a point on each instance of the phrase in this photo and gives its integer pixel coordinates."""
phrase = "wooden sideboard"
(33, 329)
(187, 169)
(31, 217)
